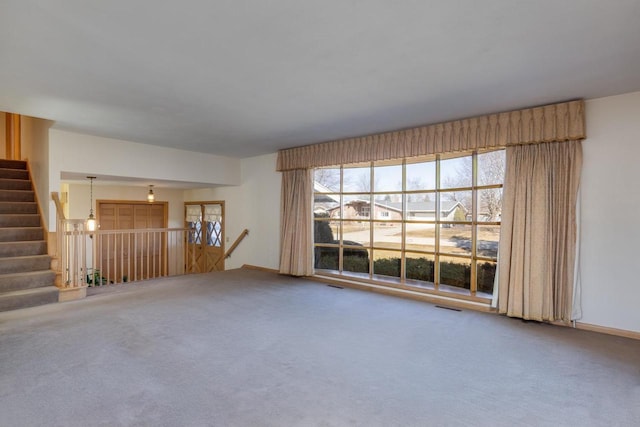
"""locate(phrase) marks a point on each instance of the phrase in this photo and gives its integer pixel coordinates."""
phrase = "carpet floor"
(251, 348)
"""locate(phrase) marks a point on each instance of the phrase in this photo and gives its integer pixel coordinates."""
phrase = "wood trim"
(13, 135)
(34, 188)
(405, 287)
(405, 293)
(257, 267)
(607, 330)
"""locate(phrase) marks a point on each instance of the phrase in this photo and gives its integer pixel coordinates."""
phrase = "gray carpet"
(249, 348)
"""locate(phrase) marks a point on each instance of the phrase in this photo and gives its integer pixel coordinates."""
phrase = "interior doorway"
(207, 236)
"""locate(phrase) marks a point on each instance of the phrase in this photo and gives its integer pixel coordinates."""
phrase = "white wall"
(255, 204)
(609, 254)
(90, 155)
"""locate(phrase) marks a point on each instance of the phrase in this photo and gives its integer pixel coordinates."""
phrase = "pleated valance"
(549, 123)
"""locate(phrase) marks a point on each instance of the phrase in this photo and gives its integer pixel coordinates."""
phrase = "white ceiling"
(243, 78)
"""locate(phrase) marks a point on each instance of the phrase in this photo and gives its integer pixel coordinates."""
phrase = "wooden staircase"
(26, 279)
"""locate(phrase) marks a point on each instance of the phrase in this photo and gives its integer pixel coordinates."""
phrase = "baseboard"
(609, 331)
(257, 267)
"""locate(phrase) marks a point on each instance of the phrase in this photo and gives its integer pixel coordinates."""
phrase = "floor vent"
(448, 308)
(335, 286)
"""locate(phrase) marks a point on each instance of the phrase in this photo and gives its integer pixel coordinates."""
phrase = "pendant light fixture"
(150, 196)
(91, 221)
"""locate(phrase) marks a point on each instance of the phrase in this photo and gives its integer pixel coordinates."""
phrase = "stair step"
(22, 220)
(14, 249)
(13, 164)
(21, 234)
(21, 264)
(27, 280)
(18, 207)
(15, 184)
(17, 196)
(28, 298)
(14, 173)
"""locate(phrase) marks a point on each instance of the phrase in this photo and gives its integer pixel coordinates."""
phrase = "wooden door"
(148, 251)
(206, 239)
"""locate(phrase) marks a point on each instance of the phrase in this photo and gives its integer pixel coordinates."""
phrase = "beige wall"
(90, 155)
(79, 195)
(609, 212)
(254, 204)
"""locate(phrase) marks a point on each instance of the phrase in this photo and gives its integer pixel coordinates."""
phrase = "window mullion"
(436, 243)
(474, 222)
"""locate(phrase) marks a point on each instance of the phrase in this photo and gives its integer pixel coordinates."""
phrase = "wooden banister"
(56, 200)
(236, 243)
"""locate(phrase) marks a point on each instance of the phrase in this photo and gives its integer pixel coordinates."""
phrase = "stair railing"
(71, 248)
(139, 254)
(233, 247)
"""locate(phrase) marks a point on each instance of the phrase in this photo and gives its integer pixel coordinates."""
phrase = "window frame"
(473, 257)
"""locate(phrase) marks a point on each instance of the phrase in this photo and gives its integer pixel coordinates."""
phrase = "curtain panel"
(296, 224)
(538, 231)
(550, 123)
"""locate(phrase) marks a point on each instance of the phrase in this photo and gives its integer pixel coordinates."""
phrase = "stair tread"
(23, 242)
(28, 273)
(40, 290)
(23, 257)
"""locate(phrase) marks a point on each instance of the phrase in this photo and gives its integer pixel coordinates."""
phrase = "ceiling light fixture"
(91, 221)
(150, 196)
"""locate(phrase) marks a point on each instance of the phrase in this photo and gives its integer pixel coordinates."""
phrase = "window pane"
(388, 207)
(326, 258)
(488, 240)
(356, 233)
(387, 263)
(456, 173)
(419, 269)
(387, 178)
(420, 237)
(326, 180)
(326, 205)
(486, 272)
(357, 206)
(490, 205)
(355, 260)
(420, 207)
(455, 239)
(455, 272)
(491, 167)
(322, 232)
(421, 176)
(455, 206)
(387, 235)
(357, 179)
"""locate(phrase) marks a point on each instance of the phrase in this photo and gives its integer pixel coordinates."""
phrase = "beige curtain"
(549, 123)
(296, 224)
(538, 232)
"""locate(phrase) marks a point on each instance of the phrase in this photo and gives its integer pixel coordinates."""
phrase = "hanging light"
(150, 196)
(91, 221)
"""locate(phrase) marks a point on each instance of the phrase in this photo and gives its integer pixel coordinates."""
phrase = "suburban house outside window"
(430, 224)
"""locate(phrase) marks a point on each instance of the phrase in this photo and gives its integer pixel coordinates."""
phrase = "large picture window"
(420, 223)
